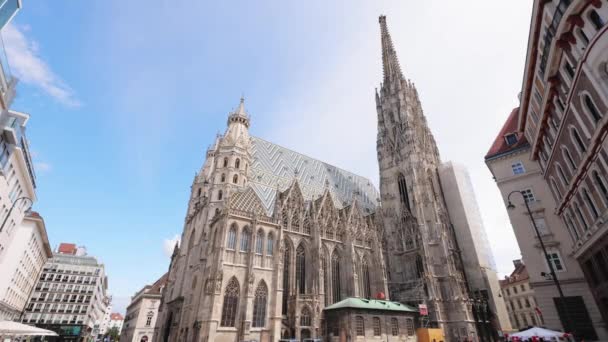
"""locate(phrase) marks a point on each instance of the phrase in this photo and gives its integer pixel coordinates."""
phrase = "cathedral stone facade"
(271, 236)
(420, 247)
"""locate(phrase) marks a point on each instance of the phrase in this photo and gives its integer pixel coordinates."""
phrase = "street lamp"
(552, 274)
(13, 207)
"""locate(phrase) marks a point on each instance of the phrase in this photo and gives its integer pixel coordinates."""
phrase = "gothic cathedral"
(271, 236)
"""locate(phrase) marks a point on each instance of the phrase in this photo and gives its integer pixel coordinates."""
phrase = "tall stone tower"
(421, 252)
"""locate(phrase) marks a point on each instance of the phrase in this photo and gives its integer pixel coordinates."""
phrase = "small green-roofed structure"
(370, 304)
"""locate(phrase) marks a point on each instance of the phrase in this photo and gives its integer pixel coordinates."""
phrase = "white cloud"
(467, 78)
(25, 63)
(169, 244)
(42, 167)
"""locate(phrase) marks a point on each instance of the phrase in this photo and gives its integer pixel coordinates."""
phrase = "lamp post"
(511, 206)
(13, 207)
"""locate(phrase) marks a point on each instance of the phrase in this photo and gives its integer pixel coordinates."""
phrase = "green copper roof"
(370, 304)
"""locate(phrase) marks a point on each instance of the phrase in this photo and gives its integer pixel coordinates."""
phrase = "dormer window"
(511, 138)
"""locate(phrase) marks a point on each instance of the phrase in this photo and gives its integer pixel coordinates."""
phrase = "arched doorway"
(305, 333)
(168, 327)
(144, 339)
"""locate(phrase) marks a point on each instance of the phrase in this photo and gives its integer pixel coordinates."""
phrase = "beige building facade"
(142, 312)
(519, 298)
(513, 170)
(21, 264)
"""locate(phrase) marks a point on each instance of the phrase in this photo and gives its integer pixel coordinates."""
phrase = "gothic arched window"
(235, 179)
(270, 245)
(578, 140)
(225, 162)
(237, 163)
(325, 279)
(558, 194)
(199, 192)
(219, 195)
(596, 20)
(403, 191)
(591, 108)
(376, 326)
(335, 272)
(259, 305)
(365, 281)
(259, 242)
(600, 182)
(245, 239)
(305, 317)
(307, 224)
(231, 241)
(562, 175)
(419, 266)
(223, 178)
(301, 269)
(568, 157)
(286, 262)
(191, 239)
(590, 203)
(231, 302)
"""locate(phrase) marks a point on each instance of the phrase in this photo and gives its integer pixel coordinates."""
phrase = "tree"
(113, 333)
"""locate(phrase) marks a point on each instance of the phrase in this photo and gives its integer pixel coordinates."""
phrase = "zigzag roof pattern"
(274, 168)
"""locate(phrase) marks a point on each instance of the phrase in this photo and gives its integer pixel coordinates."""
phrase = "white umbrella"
(10, 328)
(538, 332)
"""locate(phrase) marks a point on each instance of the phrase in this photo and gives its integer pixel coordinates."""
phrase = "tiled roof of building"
(275, 167)
(370, 304)
(520, 273)
(159, 284)
(67, 248)
(115, 316)
(500, 145)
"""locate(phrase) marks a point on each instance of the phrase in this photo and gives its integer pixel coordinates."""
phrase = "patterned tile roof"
(275, 167)
(370, 304)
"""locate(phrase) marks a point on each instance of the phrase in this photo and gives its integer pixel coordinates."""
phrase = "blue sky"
(125, 97)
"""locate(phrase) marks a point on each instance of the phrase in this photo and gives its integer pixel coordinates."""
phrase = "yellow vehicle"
(430, 335)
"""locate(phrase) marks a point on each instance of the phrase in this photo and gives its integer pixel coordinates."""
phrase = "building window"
(301, 269)
(409, 326)
(508, 292)
(600, 183)
(376, 325)
(594, 211)
(245, 239)
(511, 138)
(225, 162)
(556, 261)
(286, 262)
(578, 140)
(591, 108)
(325, 279)
(525, 320)
(394, 327)
(149, 318)
(562, 175)
(527, 301)
(528, 195)
(259, 242)
(596, 20)
(579, 213)
(514, 290)
(259, 305)
(270, 245)
(523, 287)
(231, 242)
(237, 163)
(365, 279)
(335, 272)
(219, 195)
(518, 168)
(519, 303)
(360, 325)
(305, 319)
(235, 179)
(569, 69)
(231, 302)
(583, 36)
(568, 157)
(403, 191)
(223, 178)
(557, 193)
(542, 229)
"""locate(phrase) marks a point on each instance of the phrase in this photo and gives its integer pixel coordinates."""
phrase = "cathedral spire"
(390, 63)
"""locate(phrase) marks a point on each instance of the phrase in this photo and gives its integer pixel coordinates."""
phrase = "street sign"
(424, 311)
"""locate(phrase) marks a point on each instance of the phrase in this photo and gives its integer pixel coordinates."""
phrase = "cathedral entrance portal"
(305, 333)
